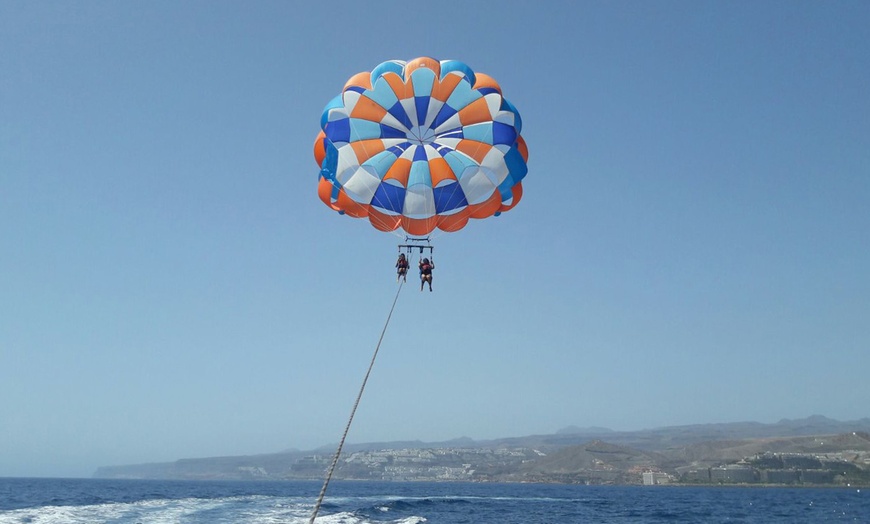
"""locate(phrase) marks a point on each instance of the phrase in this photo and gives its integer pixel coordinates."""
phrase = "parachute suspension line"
(353, 412)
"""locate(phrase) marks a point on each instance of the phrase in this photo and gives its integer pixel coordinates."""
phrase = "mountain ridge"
(626, 452)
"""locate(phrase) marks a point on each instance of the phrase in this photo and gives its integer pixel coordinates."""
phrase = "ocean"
(93, 501)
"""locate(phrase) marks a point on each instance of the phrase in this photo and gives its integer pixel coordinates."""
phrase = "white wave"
(350, 518)
(251, 510)
(232, 510)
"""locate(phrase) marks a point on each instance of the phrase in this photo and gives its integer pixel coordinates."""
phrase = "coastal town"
(807, 452)
(422, 464)
(518, 464)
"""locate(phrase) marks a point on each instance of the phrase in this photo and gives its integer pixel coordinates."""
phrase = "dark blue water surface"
(45, 501)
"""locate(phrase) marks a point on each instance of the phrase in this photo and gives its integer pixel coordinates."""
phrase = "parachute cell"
(420, 145)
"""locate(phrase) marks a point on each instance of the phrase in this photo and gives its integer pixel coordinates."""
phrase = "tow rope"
(353, 411)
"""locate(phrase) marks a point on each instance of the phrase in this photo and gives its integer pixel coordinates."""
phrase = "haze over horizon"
(692, 245)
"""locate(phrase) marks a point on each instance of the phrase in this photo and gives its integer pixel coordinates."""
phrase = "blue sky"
(693, 243)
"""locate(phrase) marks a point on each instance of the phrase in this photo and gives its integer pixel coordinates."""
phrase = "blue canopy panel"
(442, 149)
(421, 104)
(459, 162)
(330, 162)
(335, 103)
(493, 133)
(398, 149)
(443, 115)
(389, 197)
(518, 122)
(398, 112)
(449, 197)
(380, 163)
(338, 130)
(478, 132)
(364, 129)
(515, 164)
(503, 134)
(336, 187)
(462, 95)
(420, 154)
(382, 93)
(456, 133)
(420, 172)
(391, 132)
(390, 66)
(422, 79)
(449, 66)
(505, 189)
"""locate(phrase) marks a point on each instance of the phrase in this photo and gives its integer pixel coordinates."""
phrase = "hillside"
(608, 457)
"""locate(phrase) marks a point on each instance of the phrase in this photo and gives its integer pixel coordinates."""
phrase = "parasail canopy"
(420, 145)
